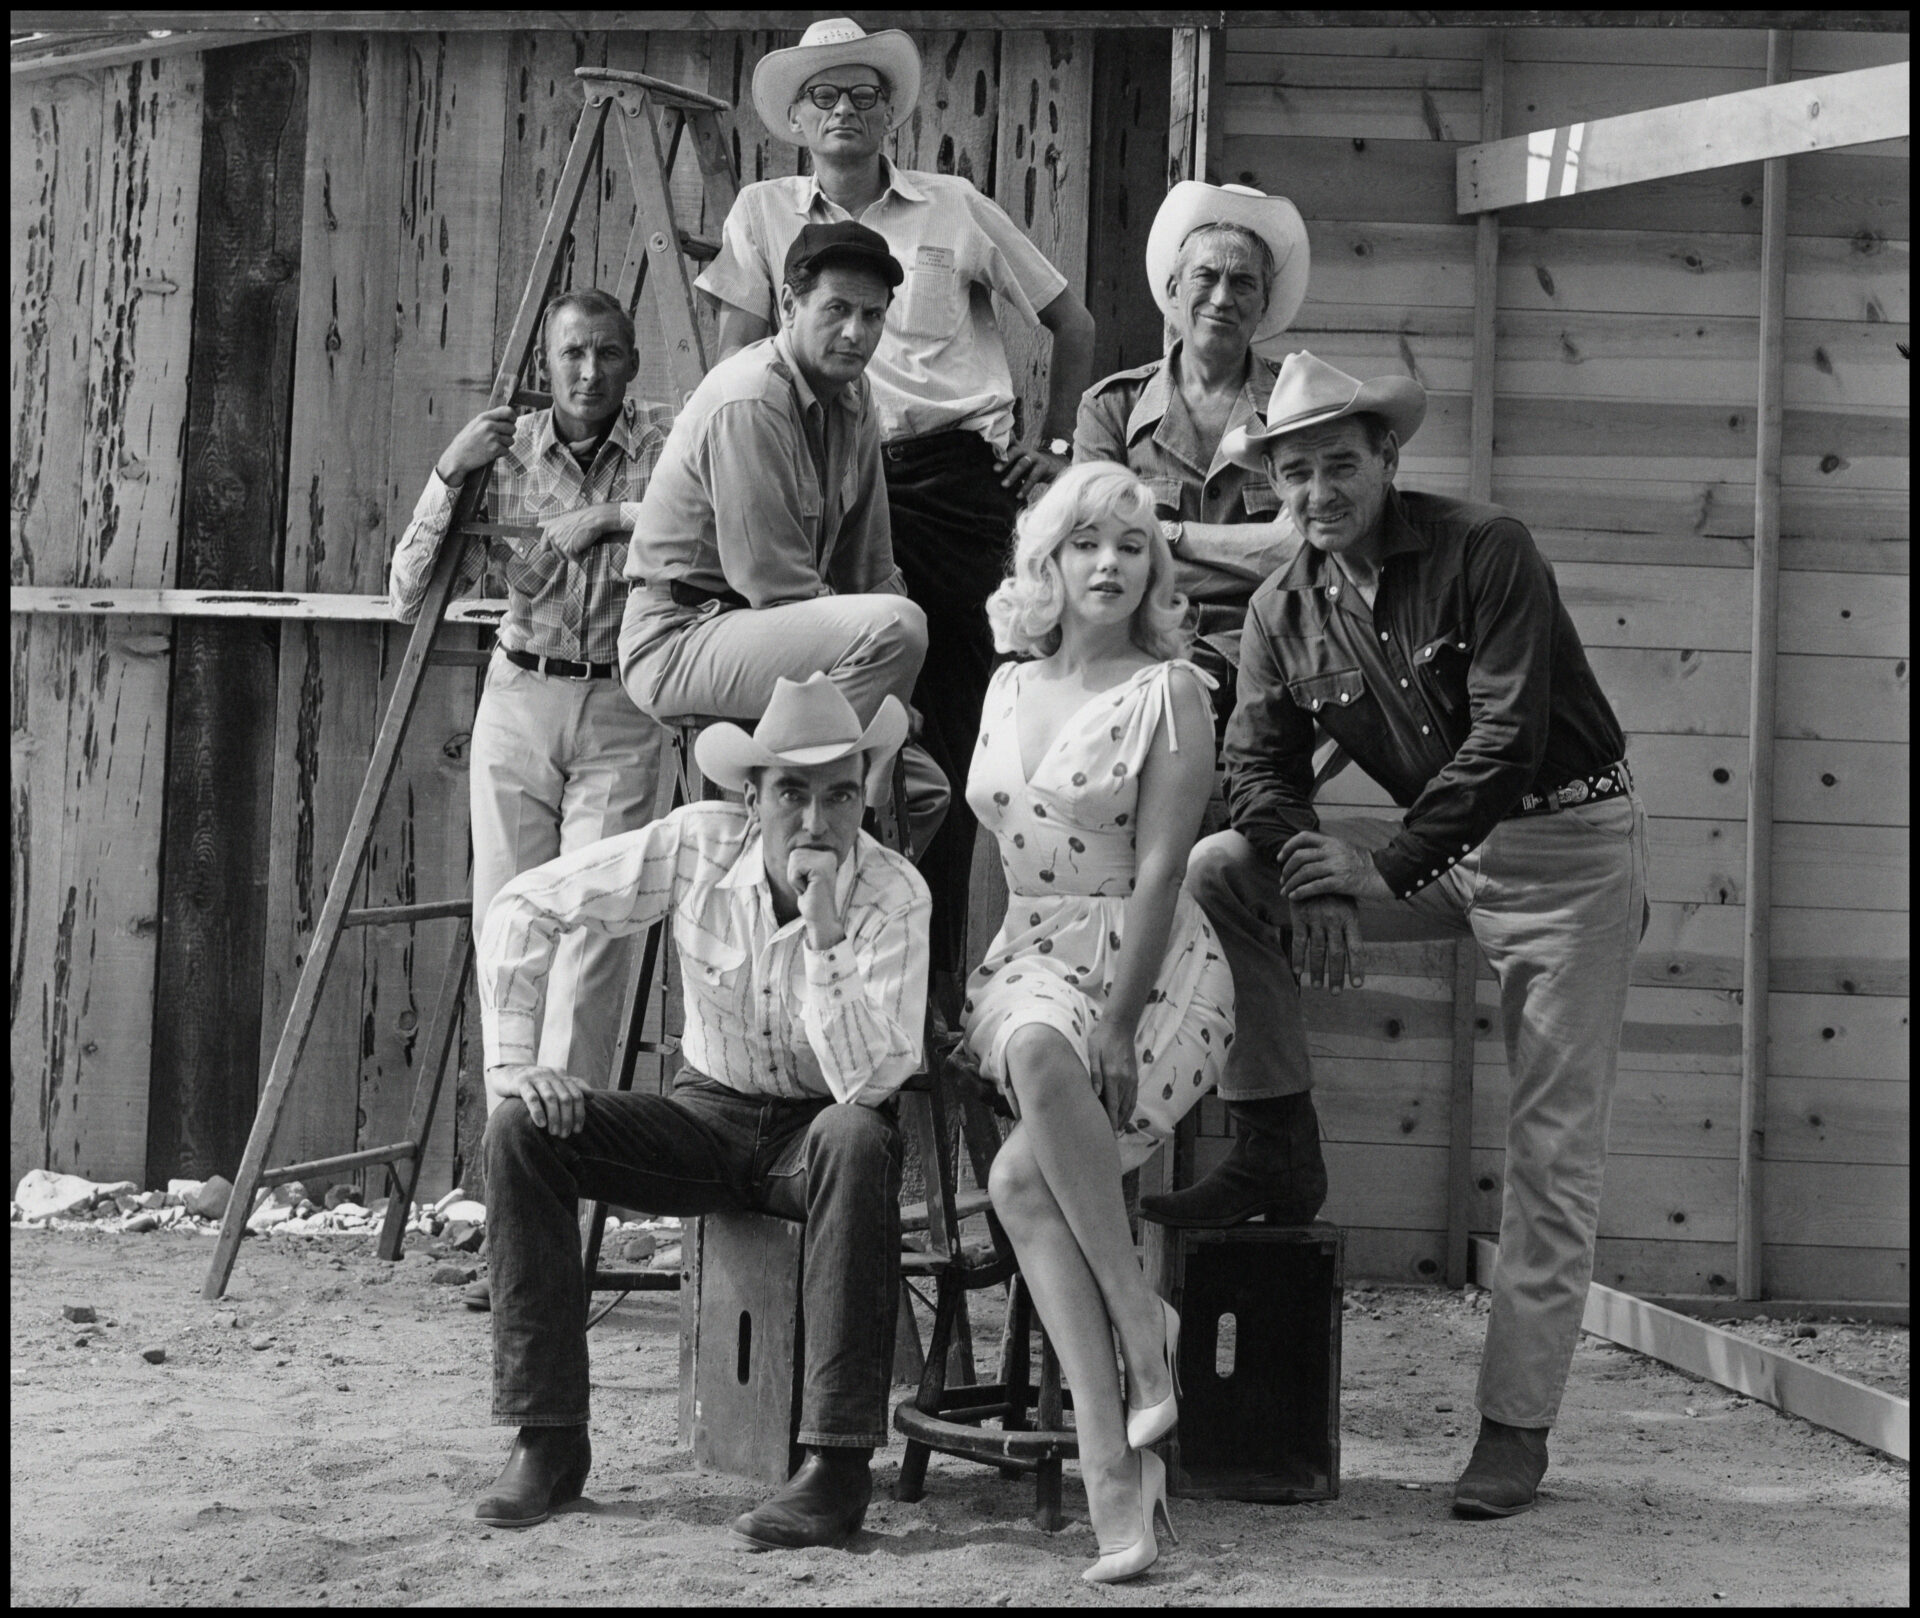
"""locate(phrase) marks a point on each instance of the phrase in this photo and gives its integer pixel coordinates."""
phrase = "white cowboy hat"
(805, 723)
(1310, 393)
(1274, 220)
(836, 42)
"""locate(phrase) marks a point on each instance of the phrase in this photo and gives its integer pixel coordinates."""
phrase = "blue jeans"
(1558, 904)
(704, 1149)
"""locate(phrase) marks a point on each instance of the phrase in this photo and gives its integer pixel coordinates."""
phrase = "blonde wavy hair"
(1025, 610)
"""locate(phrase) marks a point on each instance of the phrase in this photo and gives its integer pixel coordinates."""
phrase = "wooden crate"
(1267, 1426)
(742, 1346)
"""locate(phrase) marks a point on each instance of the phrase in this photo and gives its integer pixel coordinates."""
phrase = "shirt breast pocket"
(1166, 497)
(1260, 499)
(931, 301)
(1441, 664)
(1320, 694)
(715, 967)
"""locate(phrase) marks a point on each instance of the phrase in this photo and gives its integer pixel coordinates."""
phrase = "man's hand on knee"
(556, 1101)
(1326, 942)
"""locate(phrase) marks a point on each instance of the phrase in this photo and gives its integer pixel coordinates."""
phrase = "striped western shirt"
(557, 607)
(766, 1013)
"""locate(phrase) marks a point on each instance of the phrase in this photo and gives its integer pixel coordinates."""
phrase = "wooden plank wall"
(1624, 435)
(429, 162)
(106, 172)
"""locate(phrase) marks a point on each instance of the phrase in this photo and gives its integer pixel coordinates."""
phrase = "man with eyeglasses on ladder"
(940, 378)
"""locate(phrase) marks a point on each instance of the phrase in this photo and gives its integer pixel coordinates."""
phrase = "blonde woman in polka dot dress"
(1104, 1007)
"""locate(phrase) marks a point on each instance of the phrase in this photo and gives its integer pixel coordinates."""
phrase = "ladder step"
(396, 1153)
(452, 657)
(393, 915)
(530, 399)
(698, 247)
(668, 95)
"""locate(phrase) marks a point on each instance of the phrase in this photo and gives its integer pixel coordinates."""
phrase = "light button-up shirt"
(766, 1013)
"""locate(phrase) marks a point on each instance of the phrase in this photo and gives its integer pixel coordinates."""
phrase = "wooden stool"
(743, 1360)
(988, 1421)
(1259, 1359)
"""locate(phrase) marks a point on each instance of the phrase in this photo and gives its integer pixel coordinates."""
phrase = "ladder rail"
(634, 93)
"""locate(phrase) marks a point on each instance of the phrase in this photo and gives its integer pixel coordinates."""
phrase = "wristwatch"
(1062, 447)
(1172, 531)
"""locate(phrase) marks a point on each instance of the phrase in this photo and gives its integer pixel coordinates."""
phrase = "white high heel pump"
(1130, 1561)
(1148, 1426)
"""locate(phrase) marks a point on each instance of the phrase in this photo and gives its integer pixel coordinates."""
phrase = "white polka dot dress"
(1066, 845)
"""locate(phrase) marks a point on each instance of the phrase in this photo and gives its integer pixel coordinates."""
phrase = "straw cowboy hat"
(804, 725)
(1310, 393)
(1274, 220)
(837, 42)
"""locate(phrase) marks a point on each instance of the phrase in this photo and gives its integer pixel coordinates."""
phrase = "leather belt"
(692, 595)
(1615, 781)
(560, 668)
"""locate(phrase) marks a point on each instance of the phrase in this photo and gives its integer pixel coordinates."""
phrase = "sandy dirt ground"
(320, 1435)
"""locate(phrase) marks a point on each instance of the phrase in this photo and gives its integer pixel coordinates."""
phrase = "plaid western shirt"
(557, 607)
(766, 1014)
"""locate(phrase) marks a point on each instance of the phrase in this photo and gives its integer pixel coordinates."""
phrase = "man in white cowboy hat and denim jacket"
(940, 377)
(803, 944)
(1428, 638)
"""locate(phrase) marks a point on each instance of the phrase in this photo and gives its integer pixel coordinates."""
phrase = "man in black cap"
(763, 547)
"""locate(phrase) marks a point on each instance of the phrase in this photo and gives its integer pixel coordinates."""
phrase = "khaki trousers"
(1558, 904)
(558, 764)
(723, 665)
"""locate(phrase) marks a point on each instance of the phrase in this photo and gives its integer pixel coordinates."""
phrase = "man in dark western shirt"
(1427, 637)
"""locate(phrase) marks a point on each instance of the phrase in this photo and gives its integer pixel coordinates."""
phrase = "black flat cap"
(843, 242)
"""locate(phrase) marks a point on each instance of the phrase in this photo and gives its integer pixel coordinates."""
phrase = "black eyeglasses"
(865, 97)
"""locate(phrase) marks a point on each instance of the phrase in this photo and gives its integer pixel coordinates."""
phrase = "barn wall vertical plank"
(337, 539)
(447, 230)
(954, 124)
(543, 105)
(213, 871)
(1132, 96)
(56, 142)
(756, 154)
(122, 531)
(1041, 179)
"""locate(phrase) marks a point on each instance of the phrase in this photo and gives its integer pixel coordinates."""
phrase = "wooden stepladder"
(653, 116)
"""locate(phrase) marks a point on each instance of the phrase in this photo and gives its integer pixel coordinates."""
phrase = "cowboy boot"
(1504, 1472)
(824, 1503)
(1274, 1168)
(546, 1467)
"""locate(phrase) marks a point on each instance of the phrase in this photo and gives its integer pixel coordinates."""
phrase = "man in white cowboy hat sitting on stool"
(803, 944)
(1427, 636)
(941, 382)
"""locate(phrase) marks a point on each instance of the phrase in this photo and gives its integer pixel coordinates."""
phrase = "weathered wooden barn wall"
(1624, 435)
(106, 171)
(357, 323)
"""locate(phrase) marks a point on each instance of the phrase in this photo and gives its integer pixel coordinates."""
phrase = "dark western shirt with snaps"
(1463, 687)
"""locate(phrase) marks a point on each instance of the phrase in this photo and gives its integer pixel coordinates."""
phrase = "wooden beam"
(1466, 953)
(1183, 105)
(309, 605)
(639, 20)
(84, 57)
(220, 732)
(1825, 1398)
(1749, 1229)
(1779, 120)
(594, 21)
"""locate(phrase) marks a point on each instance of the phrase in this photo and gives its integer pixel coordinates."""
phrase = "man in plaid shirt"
(561, 757)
